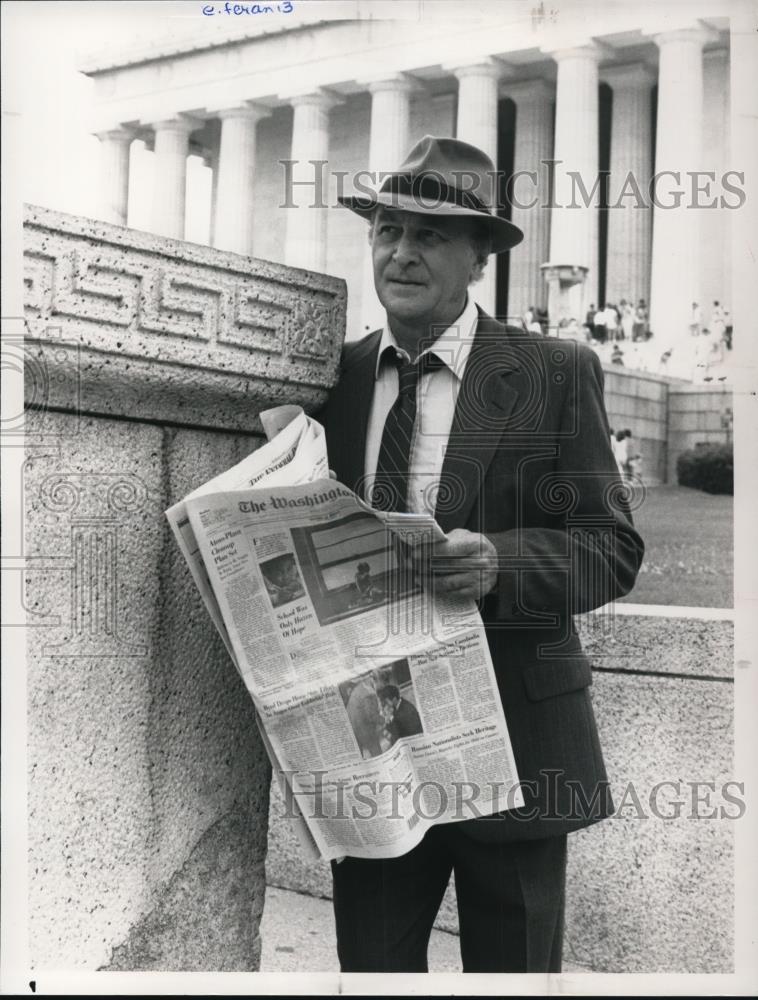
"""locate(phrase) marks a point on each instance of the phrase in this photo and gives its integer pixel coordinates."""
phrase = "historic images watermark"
(524, 189)
(547, 798)
(70, 590)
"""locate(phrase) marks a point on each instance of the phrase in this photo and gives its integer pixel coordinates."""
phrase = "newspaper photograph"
(295, 452)
(377, 698)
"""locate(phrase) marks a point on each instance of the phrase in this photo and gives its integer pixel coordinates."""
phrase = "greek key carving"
(131, 291)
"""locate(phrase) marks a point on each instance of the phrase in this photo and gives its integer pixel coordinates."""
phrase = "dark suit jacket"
(528, 463)
(405, 721)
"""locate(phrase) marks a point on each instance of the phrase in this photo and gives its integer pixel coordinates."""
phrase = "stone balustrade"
(147, 362)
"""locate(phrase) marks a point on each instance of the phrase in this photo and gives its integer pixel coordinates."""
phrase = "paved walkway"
(298, 936)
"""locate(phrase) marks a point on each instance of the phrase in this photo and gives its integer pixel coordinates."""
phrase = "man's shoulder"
(354, 351)
(407, 708)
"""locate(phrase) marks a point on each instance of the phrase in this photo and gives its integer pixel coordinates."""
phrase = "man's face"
(388, 708)
(423, 265)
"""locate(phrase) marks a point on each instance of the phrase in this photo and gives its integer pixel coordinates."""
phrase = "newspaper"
(377, 701)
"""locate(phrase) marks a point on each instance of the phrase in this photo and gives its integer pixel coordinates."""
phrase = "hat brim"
(504, 235)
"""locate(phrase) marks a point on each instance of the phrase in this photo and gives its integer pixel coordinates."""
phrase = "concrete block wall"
(696, 415)
(147, 361)
(645, 888)
(666, 417)
(639, 401)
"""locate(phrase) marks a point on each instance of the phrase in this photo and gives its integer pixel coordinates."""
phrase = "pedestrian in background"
(627, 320)
(601, 331)
(640, 321)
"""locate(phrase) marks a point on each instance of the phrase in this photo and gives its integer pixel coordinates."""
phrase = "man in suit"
(403, 719)
(503, 436)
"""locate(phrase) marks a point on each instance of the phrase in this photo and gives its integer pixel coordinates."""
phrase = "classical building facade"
(286, 109)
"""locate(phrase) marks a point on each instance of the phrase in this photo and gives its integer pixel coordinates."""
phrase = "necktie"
(391, 481)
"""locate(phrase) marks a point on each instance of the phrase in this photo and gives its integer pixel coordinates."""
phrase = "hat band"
(433, 188)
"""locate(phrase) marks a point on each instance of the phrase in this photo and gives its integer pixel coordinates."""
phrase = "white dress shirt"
(436, 397)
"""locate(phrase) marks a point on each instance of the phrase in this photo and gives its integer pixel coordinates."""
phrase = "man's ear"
(477, 271)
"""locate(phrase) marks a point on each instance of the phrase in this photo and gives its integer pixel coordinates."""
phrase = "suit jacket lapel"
(357, 387)
(485, 402)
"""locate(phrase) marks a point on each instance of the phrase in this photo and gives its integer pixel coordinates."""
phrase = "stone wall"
(640, 402)
(147, 361)
(697, 414)
(666, 417)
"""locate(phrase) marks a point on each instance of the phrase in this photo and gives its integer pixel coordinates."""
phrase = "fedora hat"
(442, 176)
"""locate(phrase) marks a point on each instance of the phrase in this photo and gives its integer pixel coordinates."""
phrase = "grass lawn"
(688, 548)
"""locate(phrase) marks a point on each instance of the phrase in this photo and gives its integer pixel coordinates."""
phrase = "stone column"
(534, 145)
(309, 196)
(388, 146)
(115, 146)
(715, 224)
(148, 781)
(170, 185)
(574, 218)
(210, 159)
(233, 218)
(477, 123)
(629, 213)
(675, 278)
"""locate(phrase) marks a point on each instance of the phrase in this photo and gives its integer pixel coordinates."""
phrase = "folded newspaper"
(376, 700)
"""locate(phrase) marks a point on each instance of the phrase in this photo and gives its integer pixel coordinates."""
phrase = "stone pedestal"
(147, 362)
(564, 300)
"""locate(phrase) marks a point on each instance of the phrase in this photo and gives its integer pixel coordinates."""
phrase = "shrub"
(707, 467)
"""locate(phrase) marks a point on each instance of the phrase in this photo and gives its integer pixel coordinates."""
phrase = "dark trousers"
(510, 904)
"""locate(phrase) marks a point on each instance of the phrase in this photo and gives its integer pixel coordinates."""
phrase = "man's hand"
(464, 565)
